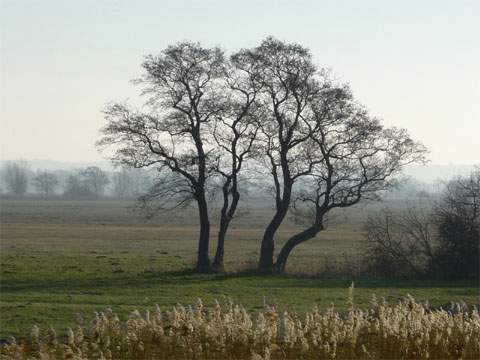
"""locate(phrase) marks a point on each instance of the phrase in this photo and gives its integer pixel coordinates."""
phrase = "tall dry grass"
(408, 330)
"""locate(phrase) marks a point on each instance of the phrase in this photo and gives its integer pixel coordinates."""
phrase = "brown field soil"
(39, 225)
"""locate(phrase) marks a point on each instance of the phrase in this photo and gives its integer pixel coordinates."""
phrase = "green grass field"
(63, 258)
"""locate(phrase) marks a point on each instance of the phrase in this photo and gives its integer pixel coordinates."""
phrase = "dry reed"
(408, 330)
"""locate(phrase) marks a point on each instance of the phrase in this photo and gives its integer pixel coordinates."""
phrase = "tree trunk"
(203, 260)
(295, 240)
(267, 249)
(227, 214)
(266, 264)
(218, 260)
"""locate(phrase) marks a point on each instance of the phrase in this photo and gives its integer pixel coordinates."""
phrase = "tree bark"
(291, 243)
(203, 260)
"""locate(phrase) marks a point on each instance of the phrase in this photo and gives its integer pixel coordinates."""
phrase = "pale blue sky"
(414, 63)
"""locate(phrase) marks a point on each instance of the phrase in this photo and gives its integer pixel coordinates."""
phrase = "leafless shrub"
(401, 243)
(443, 241)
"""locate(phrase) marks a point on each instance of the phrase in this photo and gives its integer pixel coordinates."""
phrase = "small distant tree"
(16, 177)
(123, 183)
(131, 182)
(45, 183)
(95, 179)
(76, 188)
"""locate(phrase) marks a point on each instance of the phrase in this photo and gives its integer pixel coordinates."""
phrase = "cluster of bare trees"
(212, 120)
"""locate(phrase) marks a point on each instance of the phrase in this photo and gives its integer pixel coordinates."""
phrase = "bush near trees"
(441, 241)
(401, 243)
(457, 217)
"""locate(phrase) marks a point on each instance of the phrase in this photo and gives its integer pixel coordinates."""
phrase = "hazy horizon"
(428, 174)
(108, 160)
(413, 64)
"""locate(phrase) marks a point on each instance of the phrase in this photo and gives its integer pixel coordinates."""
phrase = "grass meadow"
(63, 258)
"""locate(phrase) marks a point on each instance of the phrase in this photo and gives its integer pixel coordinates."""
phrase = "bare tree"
(16, 177)
(126, 182)
(45, 182)
(234, 134)
(184, 96)
(76, 188)
(288, 81)
(94, 179)
(352, 157)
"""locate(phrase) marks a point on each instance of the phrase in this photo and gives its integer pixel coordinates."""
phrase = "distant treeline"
(92, 182)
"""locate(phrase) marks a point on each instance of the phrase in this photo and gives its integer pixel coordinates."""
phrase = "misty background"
(127, 183)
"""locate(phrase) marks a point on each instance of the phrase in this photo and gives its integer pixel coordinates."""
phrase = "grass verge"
(53, 287)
